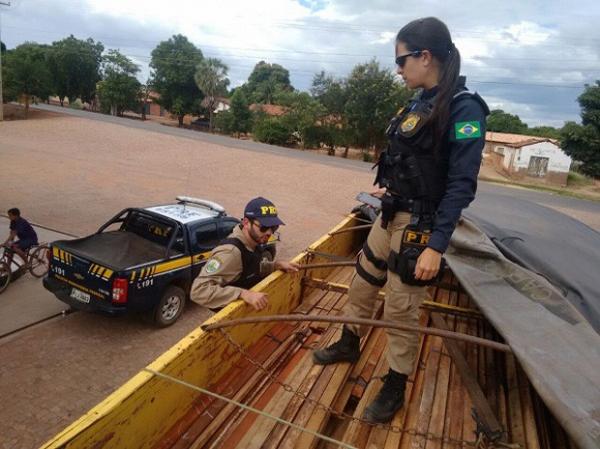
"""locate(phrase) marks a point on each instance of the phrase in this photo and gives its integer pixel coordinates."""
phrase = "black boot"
(346, 349)
(389, 400)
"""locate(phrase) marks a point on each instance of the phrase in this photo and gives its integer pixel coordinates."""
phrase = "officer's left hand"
(428, 264)
(288, 267)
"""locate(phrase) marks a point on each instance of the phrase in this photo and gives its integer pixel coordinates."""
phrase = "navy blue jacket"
(464, 147)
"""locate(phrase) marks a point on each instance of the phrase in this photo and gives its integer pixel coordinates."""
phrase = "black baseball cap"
(263, 211)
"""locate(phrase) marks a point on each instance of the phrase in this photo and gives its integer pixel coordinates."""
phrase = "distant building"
(521, 157)
(153, 108)
(269, 109)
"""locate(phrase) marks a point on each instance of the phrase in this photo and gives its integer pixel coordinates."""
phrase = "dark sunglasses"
(401, 60)
(264, 229)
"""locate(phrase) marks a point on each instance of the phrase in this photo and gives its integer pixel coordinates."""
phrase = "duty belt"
(390, 204)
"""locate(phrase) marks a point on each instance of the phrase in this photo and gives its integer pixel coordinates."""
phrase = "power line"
(300, 72)
(486, 34)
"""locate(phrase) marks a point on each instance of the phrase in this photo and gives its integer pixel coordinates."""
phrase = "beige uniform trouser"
(402, 301)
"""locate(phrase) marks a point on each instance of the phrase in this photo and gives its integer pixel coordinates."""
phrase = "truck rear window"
(149, 228)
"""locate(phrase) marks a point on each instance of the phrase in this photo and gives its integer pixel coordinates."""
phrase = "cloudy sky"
(529, 58)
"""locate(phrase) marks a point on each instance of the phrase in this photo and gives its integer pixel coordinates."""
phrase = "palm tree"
(211, 79)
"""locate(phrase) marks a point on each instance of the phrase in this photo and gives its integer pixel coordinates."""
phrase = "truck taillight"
(119, 291)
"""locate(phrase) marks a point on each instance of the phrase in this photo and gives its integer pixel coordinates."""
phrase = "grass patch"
(575, 179)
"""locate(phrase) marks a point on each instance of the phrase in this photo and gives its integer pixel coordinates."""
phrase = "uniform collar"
(428, 94)
(239, 234)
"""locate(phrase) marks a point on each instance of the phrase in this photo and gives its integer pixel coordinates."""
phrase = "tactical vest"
(250, 264)
(408, 168)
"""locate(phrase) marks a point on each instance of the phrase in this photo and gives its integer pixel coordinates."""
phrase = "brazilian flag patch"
(467, 130)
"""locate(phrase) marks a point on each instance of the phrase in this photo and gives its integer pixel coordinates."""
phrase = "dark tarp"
(118, 250)
(544, 301)
(556, 346)
(562, 249)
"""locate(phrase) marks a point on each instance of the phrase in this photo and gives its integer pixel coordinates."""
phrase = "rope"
(249, 408)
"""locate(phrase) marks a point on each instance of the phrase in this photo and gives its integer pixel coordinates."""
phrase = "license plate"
(80, 296)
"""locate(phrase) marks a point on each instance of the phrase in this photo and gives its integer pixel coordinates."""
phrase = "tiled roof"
(516, 140)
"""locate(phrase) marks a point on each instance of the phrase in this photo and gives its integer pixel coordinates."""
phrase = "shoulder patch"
(410, 122)
(467, 130)
(213, 265)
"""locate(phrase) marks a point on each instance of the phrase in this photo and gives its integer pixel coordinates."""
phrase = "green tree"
(374, 97)
(272, 130)
(145, 90)
(241, 121)
(26, 73)
(119, 90)
(265, 81)
(173, 67)
(502, 122)
(582, 142)
(75, 68)
(211, 79)
(333, 95)
(544, 131)
(302, 116)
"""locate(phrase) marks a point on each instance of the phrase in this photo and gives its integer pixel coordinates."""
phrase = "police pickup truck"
(143, 259)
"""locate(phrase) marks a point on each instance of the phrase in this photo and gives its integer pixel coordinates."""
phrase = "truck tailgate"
(89, 281)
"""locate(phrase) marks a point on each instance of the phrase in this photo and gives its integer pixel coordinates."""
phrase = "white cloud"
(511, 50)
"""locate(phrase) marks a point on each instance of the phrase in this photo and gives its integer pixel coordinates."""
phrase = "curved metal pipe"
(362, 322)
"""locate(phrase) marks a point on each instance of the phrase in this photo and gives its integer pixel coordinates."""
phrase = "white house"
(520, 157)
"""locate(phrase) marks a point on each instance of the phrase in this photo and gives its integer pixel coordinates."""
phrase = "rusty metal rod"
(308, 266)
(362, 322)
(363, 220)
(352, 228)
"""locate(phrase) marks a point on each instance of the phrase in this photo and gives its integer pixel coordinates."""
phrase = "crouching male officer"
(236, 264)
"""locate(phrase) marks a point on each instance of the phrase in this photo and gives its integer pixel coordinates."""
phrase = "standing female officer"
(429, 172)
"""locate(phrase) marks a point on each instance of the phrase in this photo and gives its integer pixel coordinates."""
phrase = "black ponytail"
(432, 34)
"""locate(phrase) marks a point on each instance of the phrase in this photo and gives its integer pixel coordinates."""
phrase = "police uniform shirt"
(465, 143)
(212, 287)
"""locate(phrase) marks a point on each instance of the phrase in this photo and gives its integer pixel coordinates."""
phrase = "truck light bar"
(205, 203)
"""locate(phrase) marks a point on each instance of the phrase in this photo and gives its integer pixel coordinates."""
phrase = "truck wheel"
(170, 306)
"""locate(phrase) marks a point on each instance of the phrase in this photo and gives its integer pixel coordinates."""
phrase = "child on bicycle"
(19, 227)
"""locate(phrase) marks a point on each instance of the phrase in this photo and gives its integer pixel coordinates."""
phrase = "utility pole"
(1, 99)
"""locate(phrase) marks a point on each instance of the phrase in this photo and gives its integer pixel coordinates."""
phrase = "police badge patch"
(213, 265)
(410, 122)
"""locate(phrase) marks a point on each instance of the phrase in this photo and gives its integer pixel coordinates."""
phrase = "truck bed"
(118, 250)
(277, 375)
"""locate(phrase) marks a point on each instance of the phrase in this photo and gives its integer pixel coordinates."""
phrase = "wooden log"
(279, 431)
(429, 385)
(516, 429)
(394, 438)
(469, 381)
(530, 426)
(204, 430)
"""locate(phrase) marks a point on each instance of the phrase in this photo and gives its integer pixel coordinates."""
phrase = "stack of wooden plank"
(277, 375)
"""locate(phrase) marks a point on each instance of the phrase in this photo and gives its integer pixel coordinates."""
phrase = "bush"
(367, 156)
(575, 179)
(223, 122)
(77, 104)
(272, 130)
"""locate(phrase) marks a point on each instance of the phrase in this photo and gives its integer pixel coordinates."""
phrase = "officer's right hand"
(257, 300)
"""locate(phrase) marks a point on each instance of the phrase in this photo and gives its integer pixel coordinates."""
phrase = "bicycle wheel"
(5, 275)
(39, 262)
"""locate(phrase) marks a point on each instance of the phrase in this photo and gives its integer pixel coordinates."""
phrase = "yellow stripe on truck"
(173, 264)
